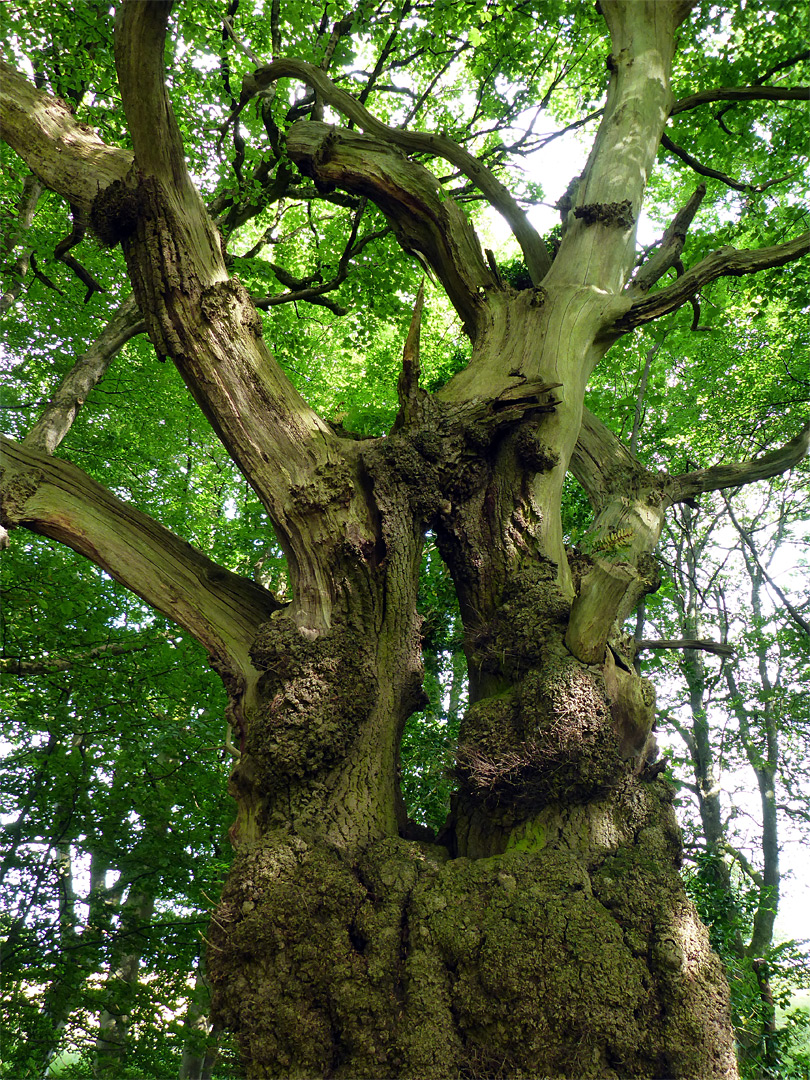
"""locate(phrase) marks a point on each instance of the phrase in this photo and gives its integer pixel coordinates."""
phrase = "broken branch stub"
(595, 608)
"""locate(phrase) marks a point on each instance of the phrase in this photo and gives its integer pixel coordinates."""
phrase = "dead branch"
(47, 665)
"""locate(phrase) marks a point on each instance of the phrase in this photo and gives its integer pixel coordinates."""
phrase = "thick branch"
(66, 155)
(629, 515)
(212, 331)
(425, 220)
(737, 474)
(58, 500)
(534, 250)
(741, 93)
(595, 608)
(58, 416)
(601, 462)
(140, 32)
(725, 262)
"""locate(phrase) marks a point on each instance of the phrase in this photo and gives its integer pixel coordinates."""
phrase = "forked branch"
(725, 262)
(715, 174)
(426, 222)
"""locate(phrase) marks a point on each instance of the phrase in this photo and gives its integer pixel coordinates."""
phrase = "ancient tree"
(545, 931)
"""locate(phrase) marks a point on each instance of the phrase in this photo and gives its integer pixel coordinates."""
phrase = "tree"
(545, 930)
(104, 751)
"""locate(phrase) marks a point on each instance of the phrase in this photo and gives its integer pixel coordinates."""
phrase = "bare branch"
(744, 864)
(31, 192)
(704, 170)
(784, 64)
(741, 93)
(725, 262)
(43, 277)
(74, 237)
(716, 647)
(58, 416)
(671, 246)
(227, 25)
(720, 477)
(385, 52)
(309, 296)
(303, 289)
(534, 249)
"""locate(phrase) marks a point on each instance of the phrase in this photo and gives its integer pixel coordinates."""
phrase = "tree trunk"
(115, 1020)
(546, 930)
(199, 1041)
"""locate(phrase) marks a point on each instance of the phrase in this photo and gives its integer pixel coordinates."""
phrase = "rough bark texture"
(545, 932)
(406, 962)
(555, 881)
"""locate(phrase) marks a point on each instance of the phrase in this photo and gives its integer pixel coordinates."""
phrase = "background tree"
(743, 710)
(546, 928)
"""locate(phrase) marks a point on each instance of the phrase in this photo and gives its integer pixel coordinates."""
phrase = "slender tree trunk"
(115, 1018)
(199, 1043)
(760, 739)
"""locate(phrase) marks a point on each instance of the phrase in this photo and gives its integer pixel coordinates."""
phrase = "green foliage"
(113, 777)
(729, 913)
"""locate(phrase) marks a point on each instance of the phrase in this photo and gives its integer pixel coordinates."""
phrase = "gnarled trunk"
(546, 930)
